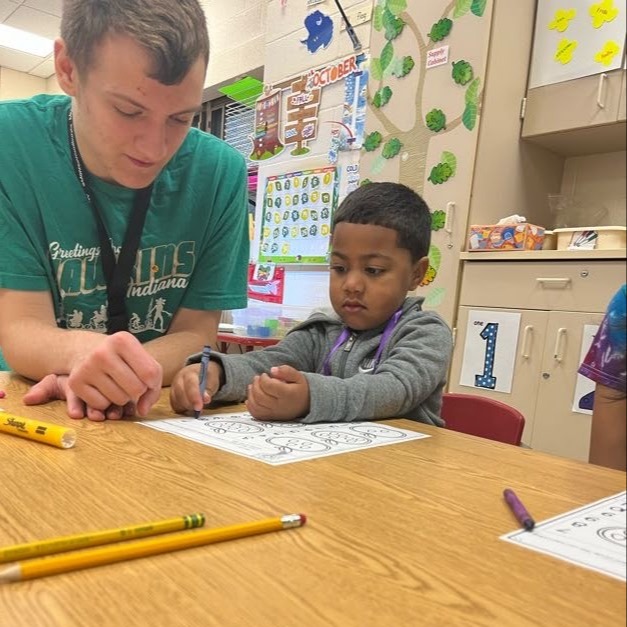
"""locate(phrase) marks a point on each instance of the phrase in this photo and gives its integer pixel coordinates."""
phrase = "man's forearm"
(35, 349)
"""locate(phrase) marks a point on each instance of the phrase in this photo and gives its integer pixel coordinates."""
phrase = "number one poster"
(296, 216)
(490, 350)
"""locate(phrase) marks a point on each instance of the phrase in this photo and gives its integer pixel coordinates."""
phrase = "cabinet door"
(557, 429)
(527, 363)
(580, 103)
(622, 107)
(424, 134)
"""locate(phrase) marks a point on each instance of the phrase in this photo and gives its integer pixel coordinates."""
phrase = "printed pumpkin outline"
(562, 19)
(602, 12)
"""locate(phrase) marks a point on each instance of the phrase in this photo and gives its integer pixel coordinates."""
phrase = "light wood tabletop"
(400, 535)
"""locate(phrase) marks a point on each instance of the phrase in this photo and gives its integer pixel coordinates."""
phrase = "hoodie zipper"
(345, 351)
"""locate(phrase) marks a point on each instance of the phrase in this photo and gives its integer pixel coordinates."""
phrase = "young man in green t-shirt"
(76, 172)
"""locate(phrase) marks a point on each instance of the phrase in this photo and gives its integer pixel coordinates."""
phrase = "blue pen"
(202, 376)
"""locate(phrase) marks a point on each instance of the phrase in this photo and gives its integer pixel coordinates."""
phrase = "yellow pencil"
(83, 540)
(42, 567)
(61, 437)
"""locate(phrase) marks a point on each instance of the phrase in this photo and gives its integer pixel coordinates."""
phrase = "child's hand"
(185, 390)
(281, 395)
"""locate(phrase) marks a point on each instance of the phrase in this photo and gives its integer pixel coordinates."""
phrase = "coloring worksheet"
(592, 536)
(281, 442)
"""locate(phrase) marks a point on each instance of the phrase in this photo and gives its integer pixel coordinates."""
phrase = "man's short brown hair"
(173, 32)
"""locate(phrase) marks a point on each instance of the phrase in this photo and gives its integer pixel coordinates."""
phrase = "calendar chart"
(296, 218)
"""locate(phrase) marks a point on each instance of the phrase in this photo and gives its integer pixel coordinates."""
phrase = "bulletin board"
(577, 38)
(296, 217)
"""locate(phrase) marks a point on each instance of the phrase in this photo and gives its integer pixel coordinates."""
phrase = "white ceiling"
(42, 17)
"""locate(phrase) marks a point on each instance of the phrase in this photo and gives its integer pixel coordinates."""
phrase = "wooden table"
(401, 535)
(249, 342)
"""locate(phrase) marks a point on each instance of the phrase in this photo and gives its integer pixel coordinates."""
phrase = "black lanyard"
(117, 274)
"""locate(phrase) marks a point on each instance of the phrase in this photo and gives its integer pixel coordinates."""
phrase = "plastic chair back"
(483, 417)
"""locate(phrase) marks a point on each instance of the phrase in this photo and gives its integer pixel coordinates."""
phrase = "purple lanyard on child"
(346, 333)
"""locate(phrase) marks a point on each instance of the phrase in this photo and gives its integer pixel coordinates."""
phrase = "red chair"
(482, 416)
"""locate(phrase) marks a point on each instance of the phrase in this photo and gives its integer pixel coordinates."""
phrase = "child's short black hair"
(393, 206)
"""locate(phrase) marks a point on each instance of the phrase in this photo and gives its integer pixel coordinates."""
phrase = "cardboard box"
(505, 237)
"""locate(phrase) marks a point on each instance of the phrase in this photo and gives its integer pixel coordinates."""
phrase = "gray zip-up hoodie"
(407, 383)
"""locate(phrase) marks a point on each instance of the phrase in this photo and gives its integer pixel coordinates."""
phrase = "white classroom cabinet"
(555, 300)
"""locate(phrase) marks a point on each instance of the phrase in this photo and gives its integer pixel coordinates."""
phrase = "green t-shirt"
(194, 247)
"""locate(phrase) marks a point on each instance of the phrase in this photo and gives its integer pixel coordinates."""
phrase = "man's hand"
(281, 395)
(118, 372)
(55, 387)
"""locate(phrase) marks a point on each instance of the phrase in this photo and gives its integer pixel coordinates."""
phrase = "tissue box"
(523, 236)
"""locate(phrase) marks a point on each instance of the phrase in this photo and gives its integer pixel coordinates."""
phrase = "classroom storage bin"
(550, 240)
(493, 237)
(261, 319)
(592, 238)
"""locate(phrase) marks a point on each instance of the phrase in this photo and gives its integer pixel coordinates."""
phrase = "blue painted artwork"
(587, 401)
(320, 29)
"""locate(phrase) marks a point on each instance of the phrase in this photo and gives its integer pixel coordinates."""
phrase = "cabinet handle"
(562, 282)
(450, 212)
(527, 334)
(557, 352)
(600, 91)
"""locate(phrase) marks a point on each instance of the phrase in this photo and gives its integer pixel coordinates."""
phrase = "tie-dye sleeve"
(605, 361)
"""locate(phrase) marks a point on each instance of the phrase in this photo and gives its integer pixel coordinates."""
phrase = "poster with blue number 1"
(490, 350)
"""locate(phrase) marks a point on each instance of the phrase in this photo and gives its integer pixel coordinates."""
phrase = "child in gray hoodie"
(379, 356)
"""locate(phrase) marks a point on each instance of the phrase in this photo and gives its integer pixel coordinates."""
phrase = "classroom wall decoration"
(320, 31)
(266, 142)
(490, 350)
(287, 114)
(302, 115)
(297, 211)
(577, 38)
(266, 282)
(584, 387)
(425, 91)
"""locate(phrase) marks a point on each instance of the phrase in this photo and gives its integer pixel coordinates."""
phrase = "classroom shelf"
(542, 255)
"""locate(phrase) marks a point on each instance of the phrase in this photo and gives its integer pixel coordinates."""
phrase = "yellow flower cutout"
(604, 11)
(562, 19)
(565, 50)
(607, 53)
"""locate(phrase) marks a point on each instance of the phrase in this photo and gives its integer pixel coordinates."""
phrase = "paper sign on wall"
(266, 282)
(584, 387)
(490, 350)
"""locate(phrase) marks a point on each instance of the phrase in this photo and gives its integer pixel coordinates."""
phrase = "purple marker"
(518, 509)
